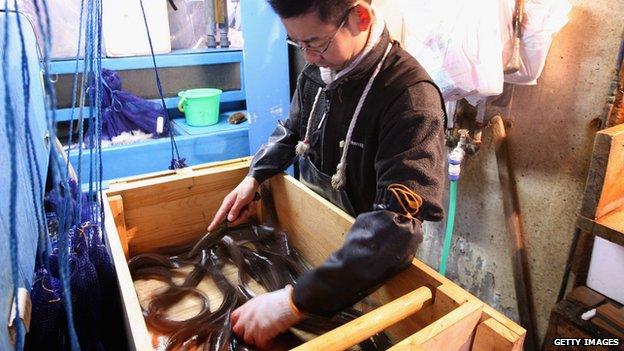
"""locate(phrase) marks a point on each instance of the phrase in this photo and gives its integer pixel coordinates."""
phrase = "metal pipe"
(224, 42)
(211, 41)
(520, 264)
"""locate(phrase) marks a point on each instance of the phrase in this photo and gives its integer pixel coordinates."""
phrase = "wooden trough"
(419, 309)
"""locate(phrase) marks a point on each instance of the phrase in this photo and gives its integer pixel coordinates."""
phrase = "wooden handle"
(371, 323)
(513, 65)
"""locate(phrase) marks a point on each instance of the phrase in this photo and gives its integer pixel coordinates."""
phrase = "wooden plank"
(493, 336)
(585, 296)
(488, 311)
(451, 332)
(183, 207)
(616, 115)
(614, 222)
(121, 183)
(611, 314)
(317, 227)
(582, 257)
(604, 190)
(116, 205)
(150, 191)
(369, 324)
(448, 297)
(612, 196)
(608, 327)
(136, 329)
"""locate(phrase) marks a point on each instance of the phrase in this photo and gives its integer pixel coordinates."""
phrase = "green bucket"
(200, 106)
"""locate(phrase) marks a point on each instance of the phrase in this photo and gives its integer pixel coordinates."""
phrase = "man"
(366, 126)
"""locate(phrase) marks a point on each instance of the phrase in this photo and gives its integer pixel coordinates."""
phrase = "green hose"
(450, 221)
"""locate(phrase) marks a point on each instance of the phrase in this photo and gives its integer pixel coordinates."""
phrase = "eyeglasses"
(320, 49)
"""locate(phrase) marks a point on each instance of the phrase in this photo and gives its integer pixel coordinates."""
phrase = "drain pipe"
(455, 159)
(224, 41)
(211, 41)
(520, 264)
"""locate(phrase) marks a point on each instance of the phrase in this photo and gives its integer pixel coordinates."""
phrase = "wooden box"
(419, 308)
(602, 208)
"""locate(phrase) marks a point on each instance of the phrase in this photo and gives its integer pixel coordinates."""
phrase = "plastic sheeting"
(187, 24)
(542, 19)
(465, 44)
(458, 43)
(64, 21)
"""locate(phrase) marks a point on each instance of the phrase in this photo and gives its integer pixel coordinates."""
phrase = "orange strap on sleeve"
(409, 201)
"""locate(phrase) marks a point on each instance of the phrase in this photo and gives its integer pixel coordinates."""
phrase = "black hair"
(328, 10)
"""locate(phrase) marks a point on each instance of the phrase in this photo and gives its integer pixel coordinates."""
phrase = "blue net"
(45, 333)
(125, 112)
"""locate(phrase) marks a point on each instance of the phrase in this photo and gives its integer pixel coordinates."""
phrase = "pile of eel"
(259, 252)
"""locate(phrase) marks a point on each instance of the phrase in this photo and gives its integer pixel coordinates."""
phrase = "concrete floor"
(550, 145)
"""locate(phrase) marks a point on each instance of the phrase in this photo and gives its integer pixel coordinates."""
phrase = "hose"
(450, 222)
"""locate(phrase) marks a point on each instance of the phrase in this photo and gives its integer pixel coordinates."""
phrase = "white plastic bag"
(458, 43)
(542, 19)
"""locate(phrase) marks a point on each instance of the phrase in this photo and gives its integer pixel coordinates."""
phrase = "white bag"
(124, 28)
(542, 19)
(458, 43)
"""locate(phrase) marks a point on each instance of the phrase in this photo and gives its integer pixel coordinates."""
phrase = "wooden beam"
(616, 114)
(183, 207)
(136, 329)
(604, 190)
(517, 242)
(369, 324)
(121, 183)
(117, 210)
(447, 298)
(449, 333)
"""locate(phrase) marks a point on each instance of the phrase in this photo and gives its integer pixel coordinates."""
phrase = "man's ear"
(364, 16)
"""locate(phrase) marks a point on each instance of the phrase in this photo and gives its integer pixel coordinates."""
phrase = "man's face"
(329, 45)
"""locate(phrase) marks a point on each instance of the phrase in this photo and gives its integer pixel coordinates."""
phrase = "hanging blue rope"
(176, 161)
(12, 142)
(64, 212)
(33, 164)
(75, 85)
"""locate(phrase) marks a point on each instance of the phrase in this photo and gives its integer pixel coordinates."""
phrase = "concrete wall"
(551, 143)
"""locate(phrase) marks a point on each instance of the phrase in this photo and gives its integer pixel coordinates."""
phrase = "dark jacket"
(398, 138)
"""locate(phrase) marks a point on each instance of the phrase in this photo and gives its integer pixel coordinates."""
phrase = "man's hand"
(264, 317)
(233, 206)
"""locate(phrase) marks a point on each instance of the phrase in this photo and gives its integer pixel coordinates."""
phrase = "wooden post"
(522, 276)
